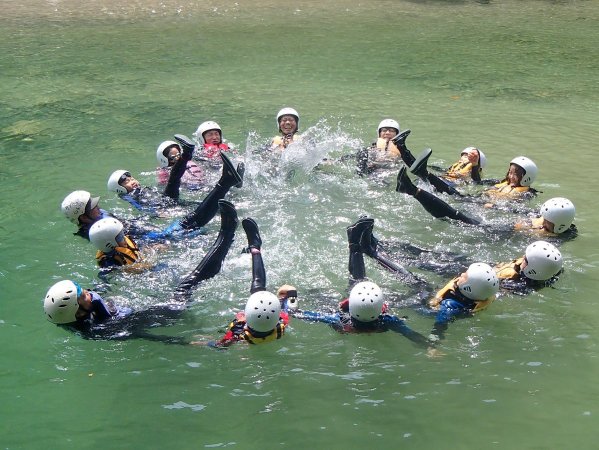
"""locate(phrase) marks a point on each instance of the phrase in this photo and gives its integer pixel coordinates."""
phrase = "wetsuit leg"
(209, 206)
(441, 185)
(254, 244)
(213, 260)
(356, 267)
(438, 208)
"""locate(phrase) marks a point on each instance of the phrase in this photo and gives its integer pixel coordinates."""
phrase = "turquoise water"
(87, 89)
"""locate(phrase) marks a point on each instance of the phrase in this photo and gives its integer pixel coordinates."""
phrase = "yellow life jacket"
(504, 190)
(275, 334)
(386, 149)
(459, 171)
(122, 256)
(510, 270)
(450, 290)
(282, 142)
(533, 225)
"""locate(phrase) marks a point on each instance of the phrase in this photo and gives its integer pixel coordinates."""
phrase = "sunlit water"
(89, 88)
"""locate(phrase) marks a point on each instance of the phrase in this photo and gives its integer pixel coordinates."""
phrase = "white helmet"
(388, 123)
(160, 156)
(60, 304)
(206, 126)
(104, 234)
(113, 181)
(482, 282)
(287, 112)
(544, 261)
(366, 301)
(76, 204)
(530, 169)
(262, 311)
(560, 212)
(482, 159)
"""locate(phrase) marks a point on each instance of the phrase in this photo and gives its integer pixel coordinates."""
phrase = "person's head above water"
(121, 182)
(542, 261)
(288, 121)
(479, 282)
(63, 300)
(80, 207)
(558, 214)
(107, 234)
(209, 132)
(366, 301)
(522, 171)
(167, 153)
(475, 156)
(262, 311)
(388, 129)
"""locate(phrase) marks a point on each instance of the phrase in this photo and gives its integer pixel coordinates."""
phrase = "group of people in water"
(129, 244)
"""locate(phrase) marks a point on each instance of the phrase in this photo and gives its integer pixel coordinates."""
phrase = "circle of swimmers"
(132, 244)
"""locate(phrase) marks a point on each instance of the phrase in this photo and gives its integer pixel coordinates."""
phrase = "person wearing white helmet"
(67, 303)
(364, 310)
(382, 152)
(149, 198)
(209, 136)
(540, 266)
(517, 183)
(470, 292)
(288, 125)
(556, 217)
(94, 317)
(83, 210)
(266, 315)
(167, 154)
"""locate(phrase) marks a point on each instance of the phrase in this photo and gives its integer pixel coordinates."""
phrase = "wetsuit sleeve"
(132, 201)
(396, 324)
(449, 310)
(312, 316)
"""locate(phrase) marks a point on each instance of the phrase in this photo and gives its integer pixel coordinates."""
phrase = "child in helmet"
(209, 135)
(168, 154)
(116, 249)
(365, 309)
(145, 198)
(287, 123)
(516, 184)
(381, 153)
(538, 267)
(265, 316)
(80, 208)
(87, 312)
(554, 219)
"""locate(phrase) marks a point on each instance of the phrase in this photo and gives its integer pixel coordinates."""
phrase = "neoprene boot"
(356, 265)
(254, 244)
(209, 206)
(355, 230)
(214, 258)
(252, 232)
(400, 143)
